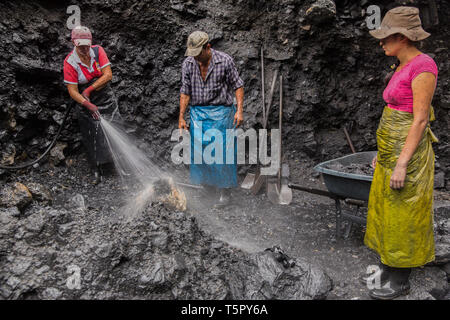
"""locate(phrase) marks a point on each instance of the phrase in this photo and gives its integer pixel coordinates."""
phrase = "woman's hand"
(374, 162)
(398, 177)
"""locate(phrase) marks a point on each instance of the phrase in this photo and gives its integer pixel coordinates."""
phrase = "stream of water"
(136, 170)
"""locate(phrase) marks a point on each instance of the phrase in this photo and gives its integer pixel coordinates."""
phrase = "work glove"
(87, 92)
(92, 108)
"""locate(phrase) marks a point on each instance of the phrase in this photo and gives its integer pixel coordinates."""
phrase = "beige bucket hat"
(404, 20)
(195, 43)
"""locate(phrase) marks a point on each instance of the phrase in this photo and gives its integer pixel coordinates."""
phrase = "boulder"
(15, 195)
(40, 193)
(321, 11)
(57, 153)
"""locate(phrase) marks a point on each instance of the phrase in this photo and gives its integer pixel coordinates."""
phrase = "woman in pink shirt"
(400, 211)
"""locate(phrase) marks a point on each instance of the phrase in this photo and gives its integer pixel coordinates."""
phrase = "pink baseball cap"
(81, 36)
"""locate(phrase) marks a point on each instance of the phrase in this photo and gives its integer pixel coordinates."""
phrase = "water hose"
(46, 151)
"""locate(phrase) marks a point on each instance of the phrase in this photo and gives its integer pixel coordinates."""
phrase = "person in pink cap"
(88, 70)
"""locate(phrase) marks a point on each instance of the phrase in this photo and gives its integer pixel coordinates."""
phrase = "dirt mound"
(76, 252)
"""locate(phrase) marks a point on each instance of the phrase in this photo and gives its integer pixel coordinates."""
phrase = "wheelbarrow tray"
(344, 184)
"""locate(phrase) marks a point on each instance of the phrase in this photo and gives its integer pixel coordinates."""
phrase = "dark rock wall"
(333, 69)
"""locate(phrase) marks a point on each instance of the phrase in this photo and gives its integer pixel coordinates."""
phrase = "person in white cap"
(209, 80)
(87, 70)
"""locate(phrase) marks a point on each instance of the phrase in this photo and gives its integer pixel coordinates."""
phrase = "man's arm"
(235, 82)
(185, 93)
(184, 102)
(239, 116)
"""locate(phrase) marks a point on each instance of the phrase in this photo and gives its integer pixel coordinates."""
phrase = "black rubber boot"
(397, 286)
(224, 199)
(370, 278)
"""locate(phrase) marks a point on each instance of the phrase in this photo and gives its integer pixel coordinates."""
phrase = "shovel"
(249, 179)
(278, 190)
(254, 181)
(260, 179)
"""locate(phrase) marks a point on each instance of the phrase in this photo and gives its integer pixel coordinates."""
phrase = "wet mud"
(365, 169)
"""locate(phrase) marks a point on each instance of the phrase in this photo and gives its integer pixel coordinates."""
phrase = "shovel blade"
(285, 191)
(249, 181)
(259, 182)
(272, 191)
(278, 190)
(285, 195)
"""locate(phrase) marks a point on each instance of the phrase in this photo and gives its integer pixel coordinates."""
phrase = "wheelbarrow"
(351, 188)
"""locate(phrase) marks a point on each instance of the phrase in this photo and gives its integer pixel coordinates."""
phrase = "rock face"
(333, 69)
(66, 253)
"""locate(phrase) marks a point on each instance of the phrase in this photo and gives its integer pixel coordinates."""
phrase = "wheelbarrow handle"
(313, 190)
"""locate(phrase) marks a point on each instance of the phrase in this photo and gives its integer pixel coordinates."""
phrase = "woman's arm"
(100, 83)
(423, 90)
(74, 93)
(104, 79)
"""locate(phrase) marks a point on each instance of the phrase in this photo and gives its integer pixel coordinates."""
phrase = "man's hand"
(182, 124)
(398, 176)
(87, 92)
(93, 109)
(238, 118)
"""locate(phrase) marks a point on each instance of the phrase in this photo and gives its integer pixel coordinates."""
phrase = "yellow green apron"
(400, 222)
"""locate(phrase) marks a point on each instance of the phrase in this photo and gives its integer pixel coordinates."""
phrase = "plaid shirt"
(221, 81)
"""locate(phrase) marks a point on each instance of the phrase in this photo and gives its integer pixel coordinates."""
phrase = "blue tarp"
(207, 123)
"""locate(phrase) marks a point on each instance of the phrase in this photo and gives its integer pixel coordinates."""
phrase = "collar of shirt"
(78, 60)
(216, 58)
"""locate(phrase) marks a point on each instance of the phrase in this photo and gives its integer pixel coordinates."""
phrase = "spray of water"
(129, 160)
(135, 169)
(142, 176)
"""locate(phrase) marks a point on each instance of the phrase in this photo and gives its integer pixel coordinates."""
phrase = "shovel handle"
(269, 103)
(349, 140)
(263, 95)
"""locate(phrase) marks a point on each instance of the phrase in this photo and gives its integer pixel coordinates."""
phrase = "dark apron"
(93, 137)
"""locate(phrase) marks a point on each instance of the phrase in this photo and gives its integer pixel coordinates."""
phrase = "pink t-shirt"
(398, 93)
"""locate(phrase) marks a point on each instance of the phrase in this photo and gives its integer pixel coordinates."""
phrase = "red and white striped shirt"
(76, 72)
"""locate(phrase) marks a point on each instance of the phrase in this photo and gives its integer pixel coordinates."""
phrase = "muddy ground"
(305, 230)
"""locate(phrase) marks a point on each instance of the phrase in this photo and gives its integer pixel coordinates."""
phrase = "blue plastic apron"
(206, 123)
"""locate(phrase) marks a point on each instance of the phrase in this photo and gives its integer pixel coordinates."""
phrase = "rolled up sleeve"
(185, 79)
(233, 78)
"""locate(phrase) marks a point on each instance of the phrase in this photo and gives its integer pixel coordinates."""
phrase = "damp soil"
(364, 169)
(304, 229)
